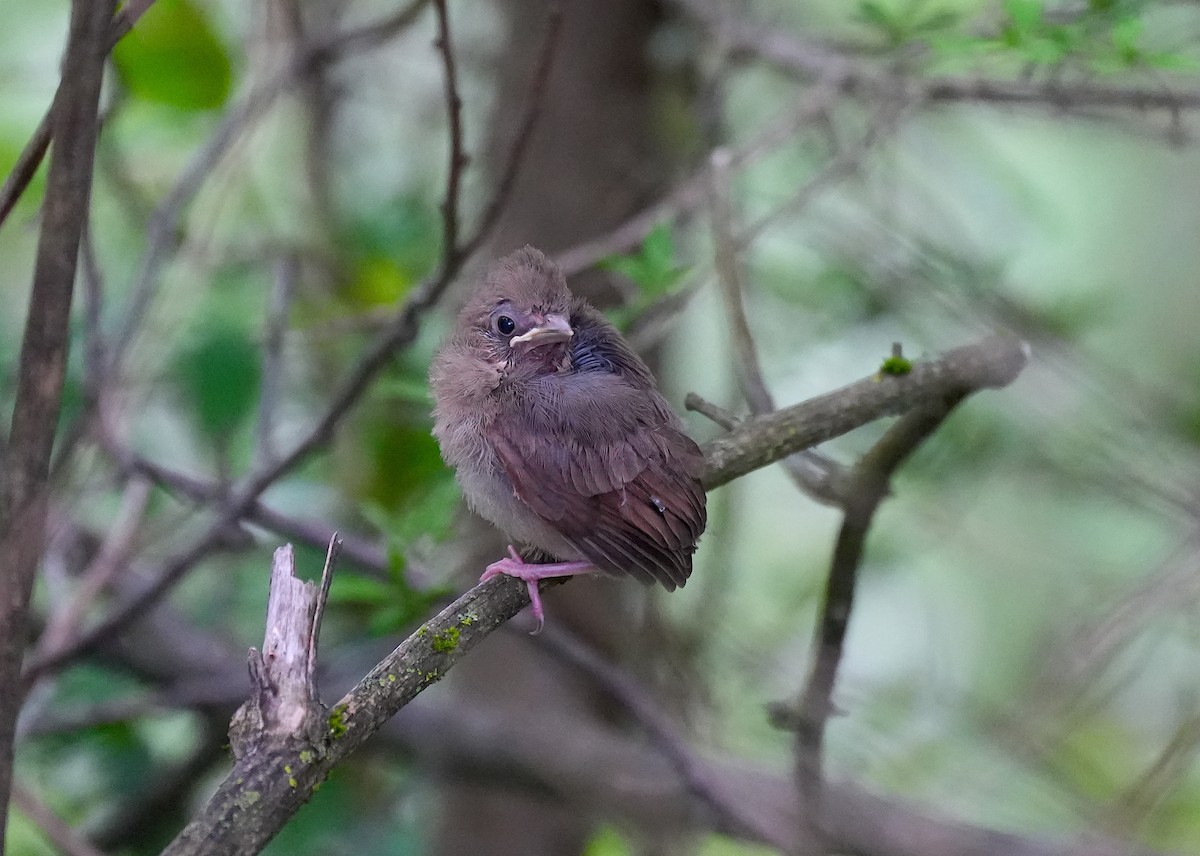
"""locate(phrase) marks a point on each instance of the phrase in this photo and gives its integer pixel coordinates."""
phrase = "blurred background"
(1024, 653)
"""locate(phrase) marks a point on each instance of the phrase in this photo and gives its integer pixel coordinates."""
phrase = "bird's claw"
(515, 566)
(530, 574)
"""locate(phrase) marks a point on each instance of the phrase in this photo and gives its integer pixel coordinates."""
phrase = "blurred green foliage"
(173, 57)
(219, 377)
(654, 269)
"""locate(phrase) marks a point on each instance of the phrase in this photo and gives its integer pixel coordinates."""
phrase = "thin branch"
(729, 276)
(43, 359)
(761, 440)
(114, 553)
(56, 830)
(275, 330)
(660, 727)
(23, 171)
(844, 164)
(163, 223)
(715, 412)
(458, 158)
(534, 103)
(869, 486)
(690, 194)
(162, 228)
(312, 533)
(796, 55)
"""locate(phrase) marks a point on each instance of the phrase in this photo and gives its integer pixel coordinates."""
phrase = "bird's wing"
(599, 456)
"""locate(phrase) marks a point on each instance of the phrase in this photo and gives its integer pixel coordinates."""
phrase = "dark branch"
(458, 158)
(868, 487)
(31, 156)
(43, 361)
(529, 120)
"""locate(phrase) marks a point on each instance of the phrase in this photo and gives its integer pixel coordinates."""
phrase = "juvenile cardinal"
(559, 436)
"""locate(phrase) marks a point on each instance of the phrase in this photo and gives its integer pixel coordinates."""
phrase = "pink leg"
(515, 566)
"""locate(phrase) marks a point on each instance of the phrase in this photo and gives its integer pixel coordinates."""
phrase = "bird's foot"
(531, 574)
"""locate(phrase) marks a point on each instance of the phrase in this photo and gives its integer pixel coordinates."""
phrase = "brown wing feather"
(628, 500)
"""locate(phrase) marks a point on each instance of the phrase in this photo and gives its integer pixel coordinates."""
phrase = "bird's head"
(519, 321)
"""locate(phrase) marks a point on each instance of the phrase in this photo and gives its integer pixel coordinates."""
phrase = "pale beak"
(554, 329)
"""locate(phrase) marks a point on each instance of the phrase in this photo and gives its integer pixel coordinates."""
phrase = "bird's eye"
(505, 325)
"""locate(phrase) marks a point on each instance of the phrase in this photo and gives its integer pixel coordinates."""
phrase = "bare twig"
(690, 194)
(842, 165)
(662, 731)
(869, 487)
(35, 150)
(733, 287)
(113, 554)
(275, 329)
(59, 833)
(458, 158)
(718, 414)
(161, 230)
(533, 111)
(312, 533)
(793, 54)
(812, 472)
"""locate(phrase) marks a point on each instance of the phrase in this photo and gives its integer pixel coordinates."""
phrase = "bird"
(559, 436)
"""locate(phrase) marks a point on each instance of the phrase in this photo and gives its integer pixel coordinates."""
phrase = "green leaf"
(607, 841)
(1024, 14)
(652, 268)
(173, 57)
(873, 13)
(941, 19)
(351, 588)
(391, 247)
(1126, 34)
(219, 378)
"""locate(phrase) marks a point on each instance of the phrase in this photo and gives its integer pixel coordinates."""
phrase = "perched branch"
(43, 360)
(284, 776)
(761, 440)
